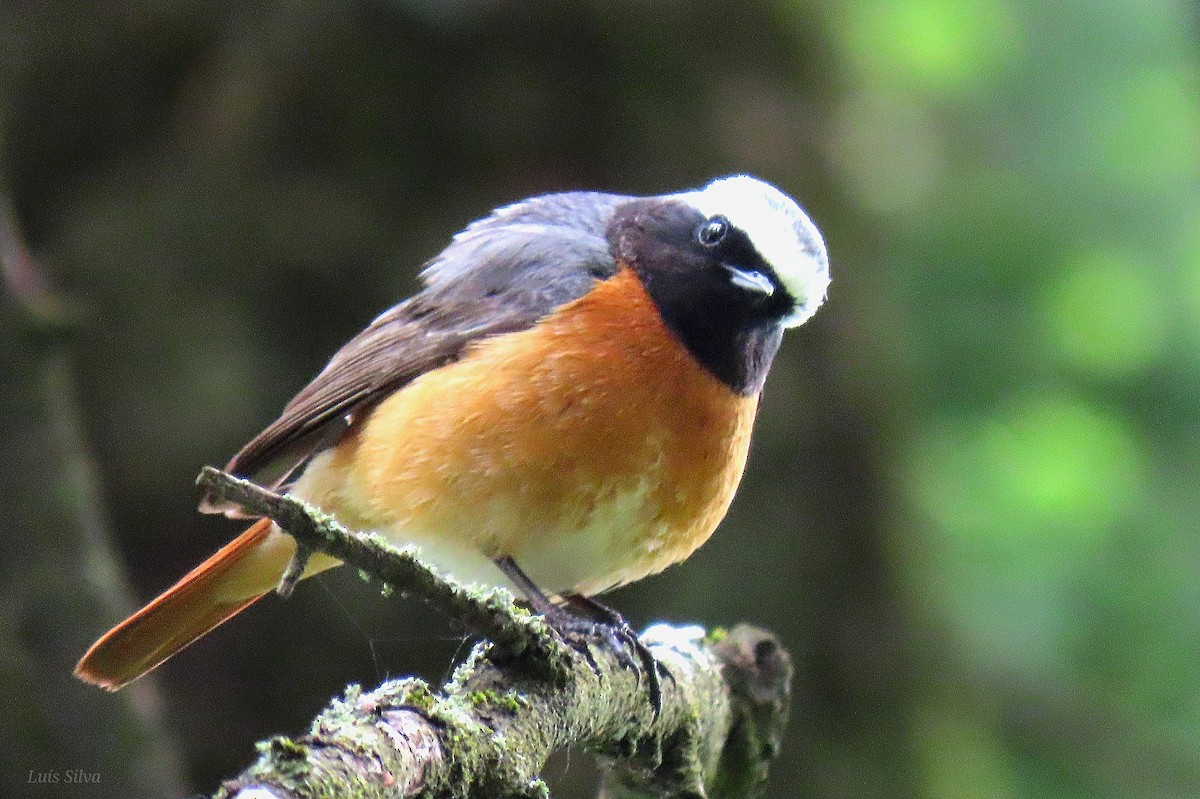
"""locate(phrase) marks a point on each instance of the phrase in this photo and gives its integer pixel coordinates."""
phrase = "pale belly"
(592, 449)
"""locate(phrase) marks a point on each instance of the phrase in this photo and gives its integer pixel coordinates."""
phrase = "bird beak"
(750, 280)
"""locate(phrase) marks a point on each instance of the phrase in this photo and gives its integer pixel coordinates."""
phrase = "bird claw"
(621, 639)
(599, 621)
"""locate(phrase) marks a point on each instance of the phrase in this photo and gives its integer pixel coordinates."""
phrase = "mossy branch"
(486, 612)
(523, 693)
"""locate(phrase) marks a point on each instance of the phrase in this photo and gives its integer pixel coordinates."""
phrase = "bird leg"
(594, 619)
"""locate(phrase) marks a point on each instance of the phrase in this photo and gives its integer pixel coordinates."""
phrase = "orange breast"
(591, 448)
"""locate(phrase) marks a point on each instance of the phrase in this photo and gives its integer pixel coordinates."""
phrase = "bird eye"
(712, 231)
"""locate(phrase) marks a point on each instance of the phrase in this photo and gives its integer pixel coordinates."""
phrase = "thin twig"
(486, 611)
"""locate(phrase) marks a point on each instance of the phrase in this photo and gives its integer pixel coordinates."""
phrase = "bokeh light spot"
(939, 45)
(1046, 469)
(1105, 315)
(961, 757)
(1151, 132)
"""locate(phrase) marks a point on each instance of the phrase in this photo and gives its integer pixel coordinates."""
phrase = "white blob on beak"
(750, 280)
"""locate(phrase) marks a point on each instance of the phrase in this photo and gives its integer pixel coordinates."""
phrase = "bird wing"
(501, 274)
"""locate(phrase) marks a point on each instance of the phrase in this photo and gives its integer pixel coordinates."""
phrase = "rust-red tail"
(214, 591)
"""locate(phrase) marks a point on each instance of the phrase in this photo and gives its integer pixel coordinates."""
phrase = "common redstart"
(565, 407)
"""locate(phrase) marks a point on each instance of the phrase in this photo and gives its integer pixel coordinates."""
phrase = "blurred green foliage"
(973, 502)
(1037, 203)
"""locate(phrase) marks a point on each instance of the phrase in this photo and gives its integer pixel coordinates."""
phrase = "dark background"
(972, 502)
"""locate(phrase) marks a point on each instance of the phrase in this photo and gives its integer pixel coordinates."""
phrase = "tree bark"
(523, 693)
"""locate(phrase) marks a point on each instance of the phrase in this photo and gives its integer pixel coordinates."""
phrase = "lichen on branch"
(524, 692)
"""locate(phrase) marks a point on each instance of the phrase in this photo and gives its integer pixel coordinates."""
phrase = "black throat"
(731, 332)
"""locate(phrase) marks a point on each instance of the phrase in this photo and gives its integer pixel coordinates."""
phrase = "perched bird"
(565, 407)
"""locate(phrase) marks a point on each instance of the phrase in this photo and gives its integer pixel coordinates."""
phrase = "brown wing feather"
(399, 346)
(502, 274)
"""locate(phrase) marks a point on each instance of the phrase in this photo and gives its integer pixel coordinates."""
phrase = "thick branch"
(488, 732)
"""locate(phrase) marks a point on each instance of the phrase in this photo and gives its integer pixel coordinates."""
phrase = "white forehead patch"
(781, 232)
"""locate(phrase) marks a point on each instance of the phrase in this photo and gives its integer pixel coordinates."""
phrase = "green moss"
(420, 696)
(511, 702)
(538, 789)
(716, 635)
(282, 748)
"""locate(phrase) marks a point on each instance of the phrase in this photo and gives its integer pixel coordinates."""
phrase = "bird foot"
(611, 627)
(595, 621)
